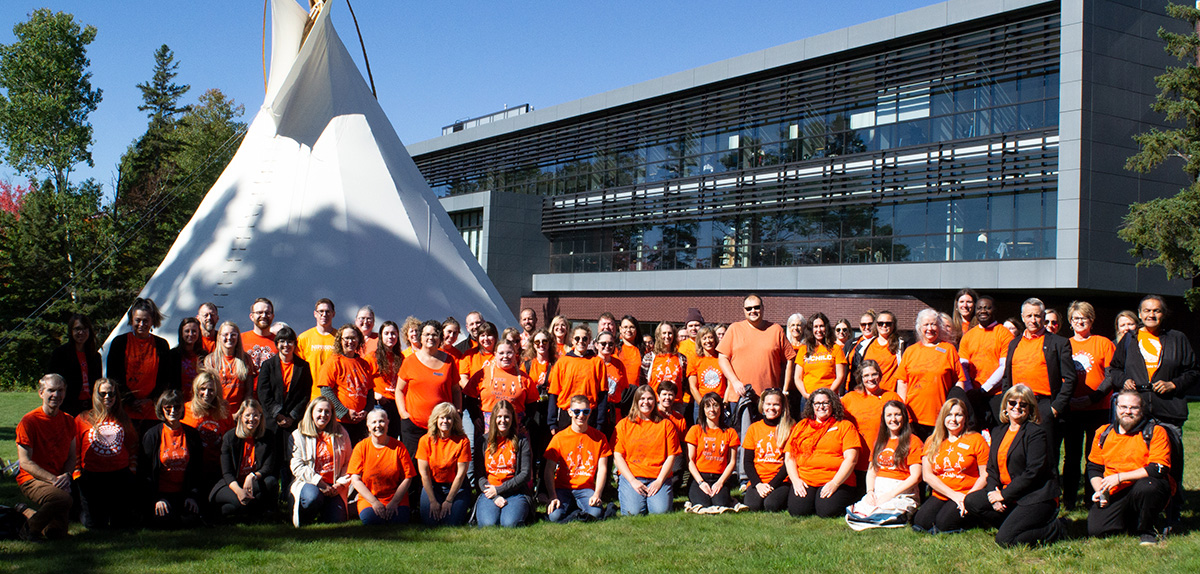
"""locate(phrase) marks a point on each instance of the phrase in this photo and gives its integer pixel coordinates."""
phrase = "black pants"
(938, 516)
(1137, 509)
(104, 498)
(1079, 429)
(1175, 434)
(812, 503)
(265, 496)
(1027, 524)
(389, 407)
(721, 498)
(776, 501)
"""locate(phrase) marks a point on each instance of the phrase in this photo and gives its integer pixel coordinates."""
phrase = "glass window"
(1000, 212)
(910, 219)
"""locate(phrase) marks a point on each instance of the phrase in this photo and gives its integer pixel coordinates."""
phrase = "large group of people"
(964, 426)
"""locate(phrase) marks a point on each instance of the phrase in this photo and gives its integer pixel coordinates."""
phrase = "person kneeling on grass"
(248, 485)
(893, 476)
(46, 450)
(381, 471)
(576, 467)
(646, 447)
(1129, 470)
(820, 458)
(171, 466)
(442, 459)
(712, 451)
(764, 445)
(954, 465)
(504, 478)
(320, 455)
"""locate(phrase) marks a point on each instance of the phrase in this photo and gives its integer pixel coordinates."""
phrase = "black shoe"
(1148, 540)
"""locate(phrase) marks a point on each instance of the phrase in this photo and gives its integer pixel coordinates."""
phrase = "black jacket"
(1060, 369)
(1177, 364)
(231, 458)
(116, 367)
(271, 392)
(1030, 466)
(65, 362)
(149, 465)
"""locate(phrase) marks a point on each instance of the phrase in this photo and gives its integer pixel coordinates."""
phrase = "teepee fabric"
(320, 200)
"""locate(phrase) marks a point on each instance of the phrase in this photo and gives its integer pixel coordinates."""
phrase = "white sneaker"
(739, 507)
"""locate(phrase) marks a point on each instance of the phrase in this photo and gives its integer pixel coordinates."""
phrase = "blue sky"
(433, 62)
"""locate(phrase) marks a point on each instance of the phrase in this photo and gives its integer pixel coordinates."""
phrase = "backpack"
(1147, 432)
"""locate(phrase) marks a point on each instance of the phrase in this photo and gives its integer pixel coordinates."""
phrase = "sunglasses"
(841, 330)
(579, 339)
(754, 308)
(605, 344)
(884, 323)
(1014, 404)
(541, 342)
(867, 324)
(580, 412)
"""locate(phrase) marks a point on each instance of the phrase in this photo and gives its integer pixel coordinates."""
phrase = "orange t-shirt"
(615, 380)
(285, 369)
(1091, 358)
(351, 378)
(957, 461)
(820, 448)
(258, 347)
(865, 411)
(141, 372)
(212, 431)
(249, 460)
(1151, 349)
(208, 343)
(452, 351)
(173, 454)
(572, 375)
(106, 446)
(48, 440)
(443, 456)
(1128, 452)
(713, 447)
(578, 456)
(539, 372)
(665, 367)
(820, 368)
(1029, 365)
(1002, 456)
(323, 458)
(687, 348)
(709, 377)
(768, 454)
(888, 364)
(885, 459)
(382, 469)
(631, 357)
(472, 362)
(233, 388)
(383, 381)
(757, 356)
(493, 384)
(982, 348)
(930, 373)
(501, 464)
(426, 387)
(645, 445)
(314, 348)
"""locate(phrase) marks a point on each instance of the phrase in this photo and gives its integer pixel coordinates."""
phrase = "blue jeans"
(572, 500)
(312, 503)
(633, 503)
(369, 518)
(516, 508)
(458, 510)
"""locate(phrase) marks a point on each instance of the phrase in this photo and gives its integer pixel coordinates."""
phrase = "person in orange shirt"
(762, 454)
(451, 331)
(209, 320)
(423, 383)
(79, 363)
(348, 382)
(259, 342)
(443, 456)
(108, 447)
(364, 321)
(692, 323)
(664, 363)
(817, 364)
(47, 452)
(579, 372)
(537, 361)
(895, 470)
(411, 335)
(315, 345)
(381, 471)
(284, 385)
(704, 373)
(629, 350)
(842, 330)
(189, 355)
(1043, 362)
(321, 452)
(712, 451)
(864, 407)
(560, 328)
(954, 465)
(886, 349)
(666, 393)
(616, 381)
(528, 321)
(963, 318)
(138, 363)
(1092, 355)
(385, 364)
(795, 330)
(820, 458)
(927, 372)
(208, 413)
(248, 486)
(576, 467)
(644, 453)
(170, 466)
(506, 463)
(473, 361)
(233, 365)
(503, 380)
(1128, 468)
(983, 351)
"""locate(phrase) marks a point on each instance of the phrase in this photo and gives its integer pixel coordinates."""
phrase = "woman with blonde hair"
(231, 363)
(320, 457)
(347, 380)
(443, 455)
(410, 333)
(1092, 354)
(248, 485)
(208, 414)
(954, 465)
(644, 453)
(560, 327)
(763, 447)
(664, 363)
(108, 449)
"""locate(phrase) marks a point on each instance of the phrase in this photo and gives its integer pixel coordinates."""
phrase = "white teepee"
(321, 200)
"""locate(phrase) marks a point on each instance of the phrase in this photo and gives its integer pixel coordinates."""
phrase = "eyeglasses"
(820, 404)
(580, 412)
(1015, 404)
(753, 307)
(579, 339)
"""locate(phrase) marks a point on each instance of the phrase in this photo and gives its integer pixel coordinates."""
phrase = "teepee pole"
(364, 49)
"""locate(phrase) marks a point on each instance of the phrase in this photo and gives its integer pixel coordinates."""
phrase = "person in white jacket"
(320, 456)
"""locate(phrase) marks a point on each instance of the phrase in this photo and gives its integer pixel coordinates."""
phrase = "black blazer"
(272, 396)
(1030, 466)
(231, 458)
(1060, 369)
(149, 465)
(65, 362)
(116, 367)
(1176, 364)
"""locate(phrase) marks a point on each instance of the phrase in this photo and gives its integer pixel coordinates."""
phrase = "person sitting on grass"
(764, 445)
(954, 465)
(894, 474)
(820, 458)
(442, 459)
(1129, 470)
(507, 463)
(320, 456)
(644, 452)
(46, 451)
(576, 467)
(171, 466)
(248, 485)
(108, 447)
(381, 471)
(712, 455)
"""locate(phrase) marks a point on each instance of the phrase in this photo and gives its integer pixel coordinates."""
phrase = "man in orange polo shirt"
(259, 342)
(46, 451)
(1044, 362)
(983, 351)
(209, 319)
(1130, 474)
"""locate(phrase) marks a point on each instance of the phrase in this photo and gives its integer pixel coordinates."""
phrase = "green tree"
(161, 94)
(1166, 231)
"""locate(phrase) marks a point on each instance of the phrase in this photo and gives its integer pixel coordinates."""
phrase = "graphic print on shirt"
(1084, 363)
(210, 432)
(765, 449)
(579, 462)
(886, 459)
(355, 387)
(714, 449)
(501, 462)
(951, 465)
(665, 371)
(1151, 349)
(107, 438)
(709, 380)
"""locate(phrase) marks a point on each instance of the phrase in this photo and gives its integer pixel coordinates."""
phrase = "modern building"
(973, 143)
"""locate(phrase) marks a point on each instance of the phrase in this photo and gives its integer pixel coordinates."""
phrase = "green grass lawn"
(675, 542)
